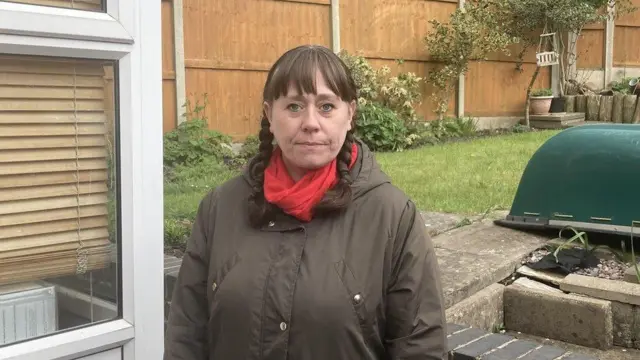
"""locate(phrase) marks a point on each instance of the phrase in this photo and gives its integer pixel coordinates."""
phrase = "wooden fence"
(610, 51)
(229, 46)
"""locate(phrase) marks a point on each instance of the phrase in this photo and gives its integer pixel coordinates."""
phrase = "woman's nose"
(311, 119)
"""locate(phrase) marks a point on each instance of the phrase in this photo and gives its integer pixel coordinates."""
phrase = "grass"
(183, 190)
(467, 177)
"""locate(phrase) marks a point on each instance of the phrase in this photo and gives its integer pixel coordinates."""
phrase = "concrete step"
(475, 256)
(556, 120)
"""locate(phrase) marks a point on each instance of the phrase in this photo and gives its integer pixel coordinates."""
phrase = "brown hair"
(298, 66)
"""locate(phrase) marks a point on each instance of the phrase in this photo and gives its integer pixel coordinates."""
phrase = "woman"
(312, 253)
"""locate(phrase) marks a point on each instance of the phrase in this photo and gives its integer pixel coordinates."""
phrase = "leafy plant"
(249, 148)
(541, 92)
(192, 140)
(400, 93)
(453, 128)
(472, 33)
(584, 241)
(380, 128)
(176, 232)
(622, 86)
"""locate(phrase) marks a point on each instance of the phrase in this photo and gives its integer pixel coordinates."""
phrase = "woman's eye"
(327, 107)
(294, 107)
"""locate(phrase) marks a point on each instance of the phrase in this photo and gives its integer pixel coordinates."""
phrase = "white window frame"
(132, 37)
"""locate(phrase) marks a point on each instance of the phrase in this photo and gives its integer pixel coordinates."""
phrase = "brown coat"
(361, 285)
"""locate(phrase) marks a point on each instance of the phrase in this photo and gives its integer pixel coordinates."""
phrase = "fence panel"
(230, 45)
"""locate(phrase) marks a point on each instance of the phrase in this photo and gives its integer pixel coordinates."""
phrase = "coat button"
(271, 223)
(357, 298)
(214, 286)
(283, 326)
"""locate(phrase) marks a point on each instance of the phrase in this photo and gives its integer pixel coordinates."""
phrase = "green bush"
(192, 140)
(542, 92)
(249, 148)
(176, 232)
(401, 93)
(448, 128)
(380, 128)
(386, 105)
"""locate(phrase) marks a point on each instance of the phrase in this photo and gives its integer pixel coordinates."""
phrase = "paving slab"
(468, 343)
(614, 290)
(630, 275)
(437, 223)
(487, 239)
(475, 256)
(571, 318)
(545, 276)
(464, 274)
(482, 310)
(527, 283)
(615, 353)
(512, 350)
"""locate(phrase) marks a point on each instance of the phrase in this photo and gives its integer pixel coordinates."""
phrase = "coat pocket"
(357, 298)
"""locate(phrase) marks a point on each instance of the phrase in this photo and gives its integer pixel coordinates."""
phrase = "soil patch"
(606, 269)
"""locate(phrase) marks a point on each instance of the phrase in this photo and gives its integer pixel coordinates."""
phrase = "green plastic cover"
(587, 175)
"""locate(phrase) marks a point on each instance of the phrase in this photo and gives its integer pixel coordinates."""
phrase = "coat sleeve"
(416, 325)
(186, 334)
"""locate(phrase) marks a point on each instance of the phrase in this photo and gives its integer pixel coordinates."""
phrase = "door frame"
(133, 38)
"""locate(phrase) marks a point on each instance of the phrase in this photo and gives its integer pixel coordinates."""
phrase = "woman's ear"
(352, 114)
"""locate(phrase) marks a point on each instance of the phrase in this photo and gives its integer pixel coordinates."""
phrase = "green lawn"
(464, 177)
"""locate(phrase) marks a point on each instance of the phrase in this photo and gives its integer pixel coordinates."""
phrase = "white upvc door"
(122, 32)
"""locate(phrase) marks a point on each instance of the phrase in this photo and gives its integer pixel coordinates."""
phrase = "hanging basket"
(548, 58)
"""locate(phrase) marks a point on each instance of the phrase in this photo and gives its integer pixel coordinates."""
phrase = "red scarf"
(299, 198)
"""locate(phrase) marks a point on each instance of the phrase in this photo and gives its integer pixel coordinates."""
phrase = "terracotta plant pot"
(540, 105)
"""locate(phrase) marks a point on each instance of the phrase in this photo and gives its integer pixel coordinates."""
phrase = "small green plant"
(380, 128)
(583, 238)
(176, 232)
(249, 148)
(622, 86)
(401, 93)
(541, 92)
(457, 127)
(192, 140)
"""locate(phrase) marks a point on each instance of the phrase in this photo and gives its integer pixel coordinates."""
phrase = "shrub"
(380, 128)
(400, 93)
(192, 141)
(176, 232)
(447, 128)
(471, 33)
(386, 101)
(249, 148)
(542, 92)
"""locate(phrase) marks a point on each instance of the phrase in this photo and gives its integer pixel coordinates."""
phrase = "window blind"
(53, 168)
(95, 5)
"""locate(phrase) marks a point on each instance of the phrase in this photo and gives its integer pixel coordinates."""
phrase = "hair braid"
(339, 197)
(259, 208)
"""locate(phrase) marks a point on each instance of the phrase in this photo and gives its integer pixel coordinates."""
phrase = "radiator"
(27, 311)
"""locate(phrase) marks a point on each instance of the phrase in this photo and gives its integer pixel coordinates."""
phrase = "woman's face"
(309, 129)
